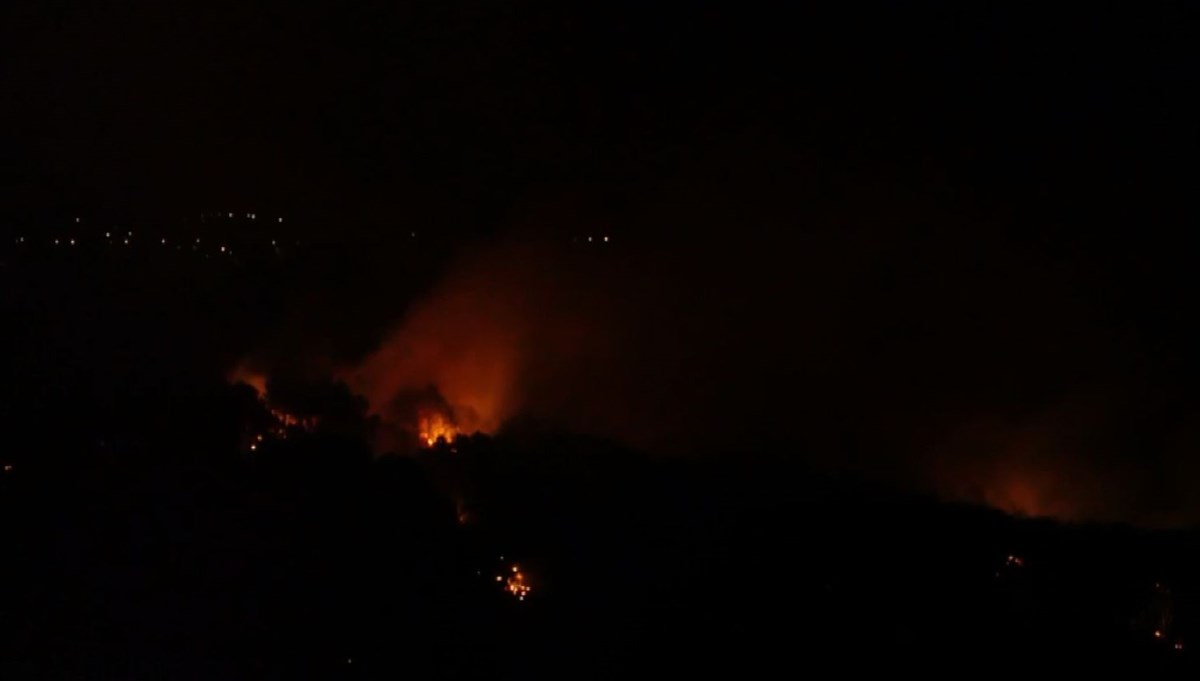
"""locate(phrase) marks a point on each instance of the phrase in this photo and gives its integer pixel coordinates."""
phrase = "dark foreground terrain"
(159, 523)
(311, 560)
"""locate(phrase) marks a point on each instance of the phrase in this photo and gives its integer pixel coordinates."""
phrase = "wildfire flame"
(283, 421)
(434, 426)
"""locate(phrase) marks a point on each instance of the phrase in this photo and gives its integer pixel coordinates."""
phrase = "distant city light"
(222, 249)
(231, 215)
(127, 242)
(76, 220)
(589, 239)
(128, 233)
(164, 241)
(197, 239)
(72, 242)
(281, 219)
(606, 239)
(272, 242)
(56, 242)
(108, 235)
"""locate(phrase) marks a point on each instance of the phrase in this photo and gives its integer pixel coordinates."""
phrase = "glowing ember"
(282, 420)
(516, 584)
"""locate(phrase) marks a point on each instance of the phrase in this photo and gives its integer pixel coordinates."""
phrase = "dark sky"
(386, 109)
(963, 235)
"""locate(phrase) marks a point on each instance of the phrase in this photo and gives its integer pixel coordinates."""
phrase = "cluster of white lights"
(126, 240)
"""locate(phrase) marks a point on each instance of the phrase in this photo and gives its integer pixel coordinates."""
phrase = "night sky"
(943, 244)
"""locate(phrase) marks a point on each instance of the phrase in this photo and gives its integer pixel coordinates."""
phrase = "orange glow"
(283, 420)
(433, 426)
(476, 339)
(516, 585)
(255, 379)
(1158, 633)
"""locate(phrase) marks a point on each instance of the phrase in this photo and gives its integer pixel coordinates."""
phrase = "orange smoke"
(462, 342)
(463, 359)
(1059, 462)
(242, 373)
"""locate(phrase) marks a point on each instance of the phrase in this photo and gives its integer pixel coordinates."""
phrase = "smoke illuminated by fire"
(281, 420)
(243, 374)
(657, 349)
(462, 359)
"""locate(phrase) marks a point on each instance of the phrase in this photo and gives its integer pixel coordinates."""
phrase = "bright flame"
(434, 426)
